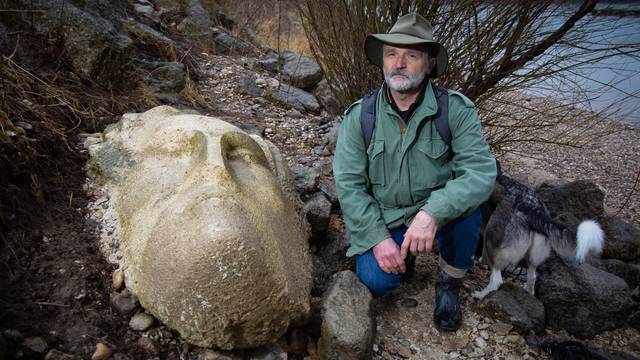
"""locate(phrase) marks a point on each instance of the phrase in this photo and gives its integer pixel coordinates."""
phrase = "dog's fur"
(521, 228)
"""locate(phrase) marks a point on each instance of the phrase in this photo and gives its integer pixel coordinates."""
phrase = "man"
(409, 187)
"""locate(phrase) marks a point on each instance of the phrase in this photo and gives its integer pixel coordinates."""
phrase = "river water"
(622, 100)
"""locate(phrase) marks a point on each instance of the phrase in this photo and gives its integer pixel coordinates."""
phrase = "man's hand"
(419, 237)
(387, 254)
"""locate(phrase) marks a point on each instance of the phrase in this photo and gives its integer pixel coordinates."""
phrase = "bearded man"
(403, 185)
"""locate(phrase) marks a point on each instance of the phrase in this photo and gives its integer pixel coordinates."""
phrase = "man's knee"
(372, 276)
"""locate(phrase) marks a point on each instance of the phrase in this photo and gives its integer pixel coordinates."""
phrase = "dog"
(521, 228)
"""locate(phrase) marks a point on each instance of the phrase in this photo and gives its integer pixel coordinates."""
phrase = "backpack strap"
(441, 118)
(368, 116)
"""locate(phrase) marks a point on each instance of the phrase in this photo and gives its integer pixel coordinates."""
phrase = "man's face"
(405, 68)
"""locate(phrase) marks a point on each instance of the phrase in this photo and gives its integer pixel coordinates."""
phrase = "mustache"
(400, 72)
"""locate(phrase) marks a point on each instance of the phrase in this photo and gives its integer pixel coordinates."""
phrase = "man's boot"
(447, 314)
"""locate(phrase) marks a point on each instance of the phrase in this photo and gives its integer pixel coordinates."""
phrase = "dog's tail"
(588, 239)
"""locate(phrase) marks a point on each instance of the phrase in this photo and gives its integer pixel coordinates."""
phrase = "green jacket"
(408, 168)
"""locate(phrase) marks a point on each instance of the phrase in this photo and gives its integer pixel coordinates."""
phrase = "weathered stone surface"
(227, 44)
(300, 71)
(328, 187)
(269, 61)
(92, 43)
(284, 94)
(318, 210)
(515, 305)
(323, 93)
(623, 240)
(197, 24)
(630, 273)
(150, 37)
(307, 178)
(573, 202)
(212, 232)
(581, 298)
(348, 326)
(164, 77)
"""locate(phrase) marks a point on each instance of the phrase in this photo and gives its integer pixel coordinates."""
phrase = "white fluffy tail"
(590, 239)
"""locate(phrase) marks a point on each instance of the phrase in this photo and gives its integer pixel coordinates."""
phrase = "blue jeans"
(457, 243)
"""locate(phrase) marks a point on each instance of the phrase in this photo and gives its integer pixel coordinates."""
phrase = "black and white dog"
(521, 228)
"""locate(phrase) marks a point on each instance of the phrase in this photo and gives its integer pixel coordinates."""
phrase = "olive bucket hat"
(410, 29)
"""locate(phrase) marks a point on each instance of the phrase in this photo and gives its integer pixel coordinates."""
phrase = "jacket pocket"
(428, 164)
(376, 163)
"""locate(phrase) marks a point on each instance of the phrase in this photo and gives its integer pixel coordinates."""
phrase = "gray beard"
(412, 85)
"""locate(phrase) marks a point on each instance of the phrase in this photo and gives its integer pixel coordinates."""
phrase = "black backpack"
(441, 117)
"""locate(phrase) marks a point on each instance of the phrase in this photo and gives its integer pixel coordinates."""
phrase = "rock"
(581, 298)
(306, 178)
(628, 272)
(196, 25)
(515, 305)
(150, 37)
(253, 129)
(269, 62)
(117, 279)
(323, 93)
(348, 325)
(145, 10)
(164, 77)
(318, 210)
(102, 352)
(300, 71)
(480, 342)
(248, 86)
(269, 352)
(125, 302)
(54, 354)
(328, 187)
(141, 322)
(501, 328)
(294, 97)
(92, 44)
(34, 346)
(212, 226)
(579, 200)
(404, 352)
(226, 44)
(623, 240)
(331, 137)
(147, 345)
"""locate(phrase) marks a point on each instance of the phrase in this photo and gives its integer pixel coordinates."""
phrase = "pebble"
(124, 302)
(102, 352)
(260, 82)
(148, 345)
(141, 321)
(483, 326)
(268, 131)
(501, 328)
(454, 355)
(404, 352)
(54, 354)
(409, 303)
(34, 346)
(118, 279)
(484, 334)
(480, 342)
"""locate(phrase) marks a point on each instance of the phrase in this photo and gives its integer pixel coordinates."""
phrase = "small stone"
(118, 279)
(268, 131)
(454, 355)
(34, 346)
(58, 355)
(124, 302)
(260, 82)
(501, 328)
(404, 352)
(102, 352)
(295, 114)
(141, 321)
(148, 345)
(409, 303)
(483, 326)
(484, 334)
(480, 342)
(375, 348)
(513, 338)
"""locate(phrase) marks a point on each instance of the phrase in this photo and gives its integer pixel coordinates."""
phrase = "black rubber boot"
(447, 314)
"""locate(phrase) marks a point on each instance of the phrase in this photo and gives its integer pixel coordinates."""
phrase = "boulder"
(269, 61)
(581, 298)
(92, 44)
(331, 137)
(623, 240)
(211, 231)
(630, 273)
(348, 325)
(227, 44)
(318, 210)
(197, 24)
(328, 187)
(307, 178)
(574, 201)
(300, 71)
(284, 94)
(513, 304)
(151, 37)
(329, 102)
(164, 77)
